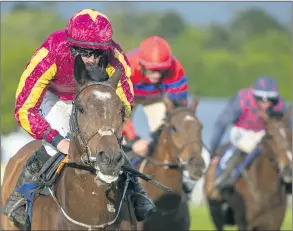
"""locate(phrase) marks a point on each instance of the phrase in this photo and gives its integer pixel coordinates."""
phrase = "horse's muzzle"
(196, 169)
(286, 175)
(109, 163)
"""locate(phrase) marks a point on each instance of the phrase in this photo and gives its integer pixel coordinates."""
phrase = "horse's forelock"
(97, 73)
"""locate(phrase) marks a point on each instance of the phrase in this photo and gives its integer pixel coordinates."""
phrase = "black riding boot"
(143, 205)
(226, 179)
(15, 206)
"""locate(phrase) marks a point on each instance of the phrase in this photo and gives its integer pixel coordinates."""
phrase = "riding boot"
(143, 205)
(15, 206)
(226, 179)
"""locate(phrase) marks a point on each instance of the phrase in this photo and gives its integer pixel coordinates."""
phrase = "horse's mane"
(275, 114)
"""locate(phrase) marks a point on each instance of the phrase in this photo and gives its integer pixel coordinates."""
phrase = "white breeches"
(155, 114)
(57, 113)
(245, 140)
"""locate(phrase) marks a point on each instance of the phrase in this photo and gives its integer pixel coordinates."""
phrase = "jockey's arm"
(129, 131)
(228, 116)
(177, 86)
(30, 92)
(284, 110)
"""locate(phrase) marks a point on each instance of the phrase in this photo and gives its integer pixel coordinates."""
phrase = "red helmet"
(89, 29)
(155, 53)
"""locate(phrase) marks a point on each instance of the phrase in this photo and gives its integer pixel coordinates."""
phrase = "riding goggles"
(87, 52)
(273, 100)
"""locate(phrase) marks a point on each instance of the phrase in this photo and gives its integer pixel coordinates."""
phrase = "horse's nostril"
(101, 153)
(119, 158)
(104, 157)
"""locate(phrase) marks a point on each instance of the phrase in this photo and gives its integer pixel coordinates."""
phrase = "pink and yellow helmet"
(91, 29)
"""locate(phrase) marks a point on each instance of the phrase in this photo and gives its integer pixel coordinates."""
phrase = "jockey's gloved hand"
(140, 146)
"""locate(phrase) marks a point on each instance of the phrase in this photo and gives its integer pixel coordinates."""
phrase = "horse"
(176, 151)
(90, 192)
(258, 200)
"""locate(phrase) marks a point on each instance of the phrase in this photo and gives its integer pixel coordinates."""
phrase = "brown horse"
(90, 190)
(258, 201)
(177, 152)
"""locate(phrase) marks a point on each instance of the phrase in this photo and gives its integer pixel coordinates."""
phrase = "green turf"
(201, 220)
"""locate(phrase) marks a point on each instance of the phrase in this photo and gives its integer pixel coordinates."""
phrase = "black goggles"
(88, 52)
(162, 72)
(274, 100)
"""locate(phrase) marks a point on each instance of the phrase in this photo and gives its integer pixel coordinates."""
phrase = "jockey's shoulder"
(56, 43)
(244, 91)
(177, 64)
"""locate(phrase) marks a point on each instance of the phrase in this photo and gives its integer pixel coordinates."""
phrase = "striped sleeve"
(129, 130)
(124, 88)
(177, 86)
(30, 92)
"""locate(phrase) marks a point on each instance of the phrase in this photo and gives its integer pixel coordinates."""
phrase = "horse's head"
(96, 121)
(279, 139)
(184, 135)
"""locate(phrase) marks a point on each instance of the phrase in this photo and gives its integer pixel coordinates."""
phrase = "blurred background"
(223, 46)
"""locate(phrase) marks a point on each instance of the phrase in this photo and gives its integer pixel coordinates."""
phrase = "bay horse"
(258, 200)
(90, 192)
(177, 151)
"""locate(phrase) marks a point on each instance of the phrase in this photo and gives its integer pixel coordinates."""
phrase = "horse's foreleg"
(217, 214)
(236, 202)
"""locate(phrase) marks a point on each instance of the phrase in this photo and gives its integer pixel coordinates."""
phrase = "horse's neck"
(83, 199)
(263, 170)
(163, 151)
(83, 196)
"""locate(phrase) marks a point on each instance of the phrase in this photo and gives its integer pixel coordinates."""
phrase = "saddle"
(43, 182)
(241, 164)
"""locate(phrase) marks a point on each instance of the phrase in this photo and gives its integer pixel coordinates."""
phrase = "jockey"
(154, 72)
(46, 90)
(248, 129)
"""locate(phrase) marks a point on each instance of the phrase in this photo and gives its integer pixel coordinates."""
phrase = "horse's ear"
(113, 81)
(263, 115)
(195, 102)
(288, 113)
(80, 72)
(168, 103)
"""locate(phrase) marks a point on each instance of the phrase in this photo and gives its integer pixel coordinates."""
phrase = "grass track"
(200, 220)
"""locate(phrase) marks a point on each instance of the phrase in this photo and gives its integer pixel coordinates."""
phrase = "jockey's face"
(89, 56)
(263, 104)
(92, 60)
(154, 76)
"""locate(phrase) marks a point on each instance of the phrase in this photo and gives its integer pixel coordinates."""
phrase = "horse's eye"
(173, 128)
(80, 109)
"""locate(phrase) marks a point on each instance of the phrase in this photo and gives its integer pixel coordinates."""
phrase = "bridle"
(86, 155)
(178, 163)
(87, 158)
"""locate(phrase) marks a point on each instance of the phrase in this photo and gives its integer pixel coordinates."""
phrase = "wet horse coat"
(89, 199)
